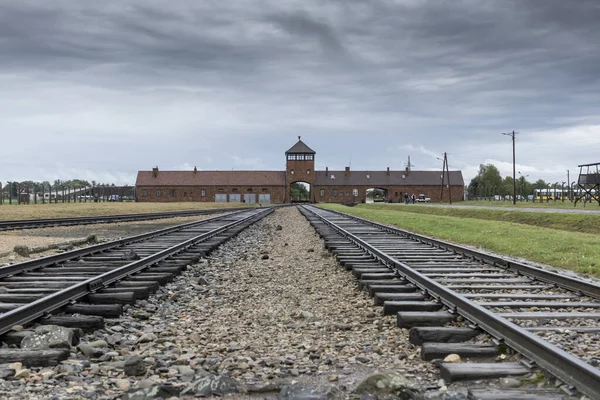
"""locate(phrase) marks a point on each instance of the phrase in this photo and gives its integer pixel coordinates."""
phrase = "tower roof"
(300, 147)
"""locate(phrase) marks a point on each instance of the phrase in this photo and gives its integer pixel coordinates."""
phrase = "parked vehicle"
(423, 199)
(114, 197)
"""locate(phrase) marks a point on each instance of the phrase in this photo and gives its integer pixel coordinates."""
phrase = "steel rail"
(54, 301)
(565, 366)
(588, 288)
(31, 265)
(101, 219)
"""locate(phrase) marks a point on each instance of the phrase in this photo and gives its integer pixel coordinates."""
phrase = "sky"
(100, 90)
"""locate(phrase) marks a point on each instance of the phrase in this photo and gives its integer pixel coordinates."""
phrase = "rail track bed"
(106, 219)
(78, 289)
(447, 295)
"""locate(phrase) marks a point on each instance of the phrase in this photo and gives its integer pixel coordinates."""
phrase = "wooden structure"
(588, 183)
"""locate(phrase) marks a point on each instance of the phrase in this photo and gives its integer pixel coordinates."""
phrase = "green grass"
(529, 204)
(576, 251)
(586, 223)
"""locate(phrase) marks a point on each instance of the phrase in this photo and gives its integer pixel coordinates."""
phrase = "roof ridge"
(300, 147)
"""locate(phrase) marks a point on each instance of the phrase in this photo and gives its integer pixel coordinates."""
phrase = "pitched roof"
(381, 178)
(300, 147)
(211, 178)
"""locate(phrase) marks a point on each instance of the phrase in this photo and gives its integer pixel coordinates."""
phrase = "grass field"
(529, 204)
(587, 223)
(576, 251)
(66, 210)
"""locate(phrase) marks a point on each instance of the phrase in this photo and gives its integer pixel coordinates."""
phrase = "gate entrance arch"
(299, 169)
(301, 192)
(377, 195)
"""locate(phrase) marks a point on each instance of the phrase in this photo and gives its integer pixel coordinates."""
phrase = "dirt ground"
(70, 210)
(65, 234)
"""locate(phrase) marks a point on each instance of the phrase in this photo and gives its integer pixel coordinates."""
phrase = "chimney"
(406, 170)
(195, 169)
(388, 171)
(326, 171)
(155, 172)
(347, 173)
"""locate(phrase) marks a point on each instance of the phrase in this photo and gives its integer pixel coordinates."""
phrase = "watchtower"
(299, 167)
(588, 183)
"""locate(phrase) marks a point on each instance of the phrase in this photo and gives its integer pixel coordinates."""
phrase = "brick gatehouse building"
(274, 186)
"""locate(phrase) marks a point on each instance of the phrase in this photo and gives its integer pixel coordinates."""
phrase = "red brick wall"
(193, 193)
(279, 194)
(299, 175)
(344, 193)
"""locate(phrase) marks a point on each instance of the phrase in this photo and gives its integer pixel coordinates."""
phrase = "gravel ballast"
(270, 307)
(62, 235)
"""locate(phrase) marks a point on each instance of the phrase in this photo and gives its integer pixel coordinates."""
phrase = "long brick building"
(274, 186)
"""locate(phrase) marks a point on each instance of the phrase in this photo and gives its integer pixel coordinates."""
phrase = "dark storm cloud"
(303, 25)
(438, 74)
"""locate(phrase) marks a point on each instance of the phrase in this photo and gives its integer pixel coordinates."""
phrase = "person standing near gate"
(413, 198)
(405, 198)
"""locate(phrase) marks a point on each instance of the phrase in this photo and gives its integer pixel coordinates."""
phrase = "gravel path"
(269, 307)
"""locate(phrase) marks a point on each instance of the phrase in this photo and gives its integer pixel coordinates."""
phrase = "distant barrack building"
(267, 187)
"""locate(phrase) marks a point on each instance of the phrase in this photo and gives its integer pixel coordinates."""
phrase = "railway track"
(96, 281)
(106, 219)
(430, 285)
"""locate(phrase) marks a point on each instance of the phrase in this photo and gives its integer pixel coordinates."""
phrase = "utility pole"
(446, 169)
(513, 133)
(408, 165)
(568, 187)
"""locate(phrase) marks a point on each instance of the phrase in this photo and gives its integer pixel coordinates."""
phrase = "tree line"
(489, 183)
(298, 192)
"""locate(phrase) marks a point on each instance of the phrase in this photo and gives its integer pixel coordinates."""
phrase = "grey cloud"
(303, 25)
(361, 75)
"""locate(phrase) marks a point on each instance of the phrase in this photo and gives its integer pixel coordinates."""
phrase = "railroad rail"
(428, 283)
(107, 219)
(95, 281)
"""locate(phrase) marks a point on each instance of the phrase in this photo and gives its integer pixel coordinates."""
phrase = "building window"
(203, 193)
(184, 194)
(291, 171)
(191, 194)
(309, 157)
(234, 190)
(300, 157)
(291, 157)
(396, 194)
(158, 193)
(334, 192)
(354, 192)
(308, 172)
(172, 192)
(144, 193)
(265, 190)
(221, 190)
(249, 190)
(322, 192)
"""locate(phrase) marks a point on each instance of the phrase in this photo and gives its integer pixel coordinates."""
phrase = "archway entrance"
(300, 192)
(377, 195)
